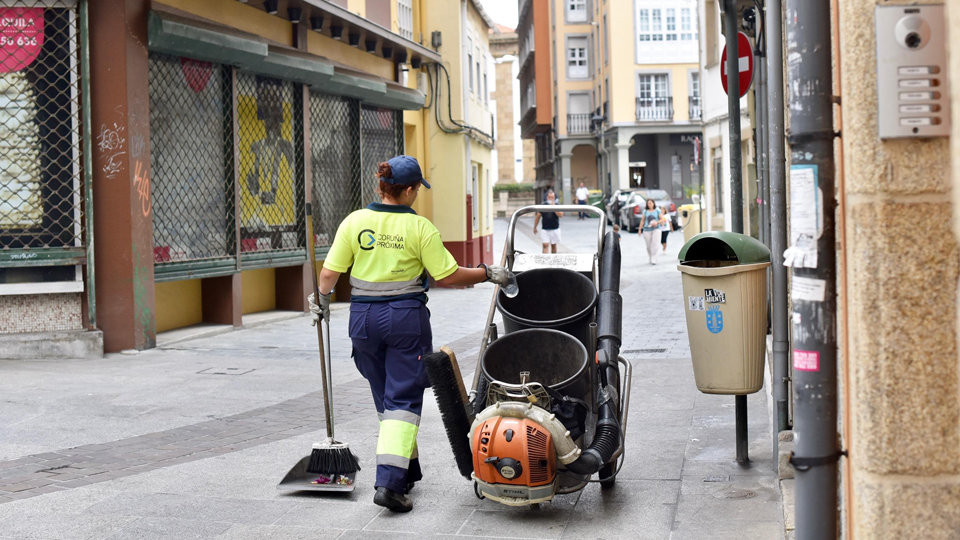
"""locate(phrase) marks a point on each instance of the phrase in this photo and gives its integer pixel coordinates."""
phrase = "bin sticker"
(715, 296)
(714, 319)
(806, 360)
(694, 303)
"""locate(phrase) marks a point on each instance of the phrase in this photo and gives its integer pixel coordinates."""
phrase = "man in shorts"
(550, 233)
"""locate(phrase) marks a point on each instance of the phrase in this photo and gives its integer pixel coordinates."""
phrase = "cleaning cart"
(547, 409)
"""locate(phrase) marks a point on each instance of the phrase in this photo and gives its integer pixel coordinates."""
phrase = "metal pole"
(731, 25)
(87, 152)
(815, 320)
(760, 143)
(778, 211)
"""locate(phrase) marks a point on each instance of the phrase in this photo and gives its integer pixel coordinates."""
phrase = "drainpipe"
(815, 309)
(773, 27)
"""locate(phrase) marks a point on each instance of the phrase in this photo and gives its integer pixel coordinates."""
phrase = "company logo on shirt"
(369, 239)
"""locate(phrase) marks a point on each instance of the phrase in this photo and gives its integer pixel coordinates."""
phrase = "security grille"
(382, 138)
(270, 165)
(191, 161)
(335, 162)
(41, 186)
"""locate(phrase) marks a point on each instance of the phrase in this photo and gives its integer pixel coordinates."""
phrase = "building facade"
(156, 172)
(514, 155)
(715, 169)
(626, 116)
(536, 86)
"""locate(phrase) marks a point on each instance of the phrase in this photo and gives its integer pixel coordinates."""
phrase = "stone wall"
(901, 317)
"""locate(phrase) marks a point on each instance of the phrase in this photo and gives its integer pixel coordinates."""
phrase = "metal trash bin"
(725, 290)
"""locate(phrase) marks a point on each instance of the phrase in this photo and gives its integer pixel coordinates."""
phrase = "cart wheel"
(606, 474)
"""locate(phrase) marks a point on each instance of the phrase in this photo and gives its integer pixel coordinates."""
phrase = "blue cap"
(406, 171)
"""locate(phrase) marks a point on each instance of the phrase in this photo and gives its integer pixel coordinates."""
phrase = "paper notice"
(804, 217)
(808, 289)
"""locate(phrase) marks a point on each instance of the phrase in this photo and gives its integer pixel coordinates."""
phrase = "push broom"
(330, 458)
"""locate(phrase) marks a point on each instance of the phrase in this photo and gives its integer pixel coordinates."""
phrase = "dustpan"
(298, 479)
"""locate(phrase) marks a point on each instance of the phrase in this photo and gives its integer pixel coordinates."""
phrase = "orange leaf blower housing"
(515, 451)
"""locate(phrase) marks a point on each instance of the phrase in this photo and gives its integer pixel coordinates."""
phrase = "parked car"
(614, 203)
(631, 212)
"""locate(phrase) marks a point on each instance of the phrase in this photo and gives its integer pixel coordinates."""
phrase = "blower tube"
(605, 441)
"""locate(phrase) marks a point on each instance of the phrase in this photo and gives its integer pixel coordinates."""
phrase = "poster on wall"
(21, 38)
(266, 159)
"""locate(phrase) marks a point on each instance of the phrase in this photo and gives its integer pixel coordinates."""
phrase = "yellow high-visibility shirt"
(389, 247)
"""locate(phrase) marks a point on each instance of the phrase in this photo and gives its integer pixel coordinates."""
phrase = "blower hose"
(605, 441)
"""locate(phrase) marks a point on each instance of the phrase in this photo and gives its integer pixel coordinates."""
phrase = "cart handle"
(511, 229)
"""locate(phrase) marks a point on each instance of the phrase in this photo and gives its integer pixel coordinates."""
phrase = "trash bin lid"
(724, 246)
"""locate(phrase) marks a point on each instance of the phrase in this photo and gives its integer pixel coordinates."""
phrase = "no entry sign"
(744, 63)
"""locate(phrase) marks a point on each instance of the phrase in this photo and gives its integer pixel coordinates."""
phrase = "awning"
(180, 36)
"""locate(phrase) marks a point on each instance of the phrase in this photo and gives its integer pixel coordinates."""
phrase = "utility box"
(725, 292)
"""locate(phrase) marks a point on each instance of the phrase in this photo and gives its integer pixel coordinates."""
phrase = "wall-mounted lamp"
(270, 6)
(294, 14)
(316, 23)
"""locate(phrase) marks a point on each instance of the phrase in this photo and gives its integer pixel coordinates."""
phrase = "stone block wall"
(901, 316)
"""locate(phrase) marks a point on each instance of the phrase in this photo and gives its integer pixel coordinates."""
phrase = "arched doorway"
(583, 166)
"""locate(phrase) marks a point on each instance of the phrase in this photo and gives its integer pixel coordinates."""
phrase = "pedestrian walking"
(393, 252)
(650, 229)
(665, 227)
(550, 233)
(582, 194)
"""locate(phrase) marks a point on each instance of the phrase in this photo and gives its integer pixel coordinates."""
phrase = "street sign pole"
(730, 20)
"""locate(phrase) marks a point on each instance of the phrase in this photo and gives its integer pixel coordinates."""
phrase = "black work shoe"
(391, 500)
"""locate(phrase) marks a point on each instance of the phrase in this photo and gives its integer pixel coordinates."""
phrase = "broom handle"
(327, 401)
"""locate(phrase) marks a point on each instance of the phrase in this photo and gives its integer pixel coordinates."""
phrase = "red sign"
(745, 63)
(21, 37)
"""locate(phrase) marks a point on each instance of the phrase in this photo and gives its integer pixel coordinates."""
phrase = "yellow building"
(221, 124)
(459, 129)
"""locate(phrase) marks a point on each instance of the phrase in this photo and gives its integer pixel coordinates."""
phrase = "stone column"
(564, 191)
(622, 169)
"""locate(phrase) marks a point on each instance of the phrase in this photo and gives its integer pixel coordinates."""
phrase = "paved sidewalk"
(189, 440)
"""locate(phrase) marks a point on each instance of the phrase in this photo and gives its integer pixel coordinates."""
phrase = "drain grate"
(225, 371)
(642, 351)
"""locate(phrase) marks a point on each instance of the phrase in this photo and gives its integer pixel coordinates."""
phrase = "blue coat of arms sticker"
(714, 319)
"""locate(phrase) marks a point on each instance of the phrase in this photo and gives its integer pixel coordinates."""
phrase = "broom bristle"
(446, 388)
(333, 460)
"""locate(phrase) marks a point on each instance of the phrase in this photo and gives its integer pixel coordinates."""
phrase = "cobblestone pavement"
(190, 439)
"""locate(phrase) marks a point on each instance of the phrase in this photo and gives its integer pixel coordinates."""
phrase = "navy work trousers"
(389, 339)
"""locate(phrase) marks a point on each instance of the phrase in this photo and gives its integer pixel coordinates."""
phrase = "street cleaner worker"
(392, 250)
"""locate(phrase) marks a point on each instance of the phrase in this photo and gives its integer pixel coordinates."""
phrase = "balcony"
(695, 112)
(656, 109)
(578, 124)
